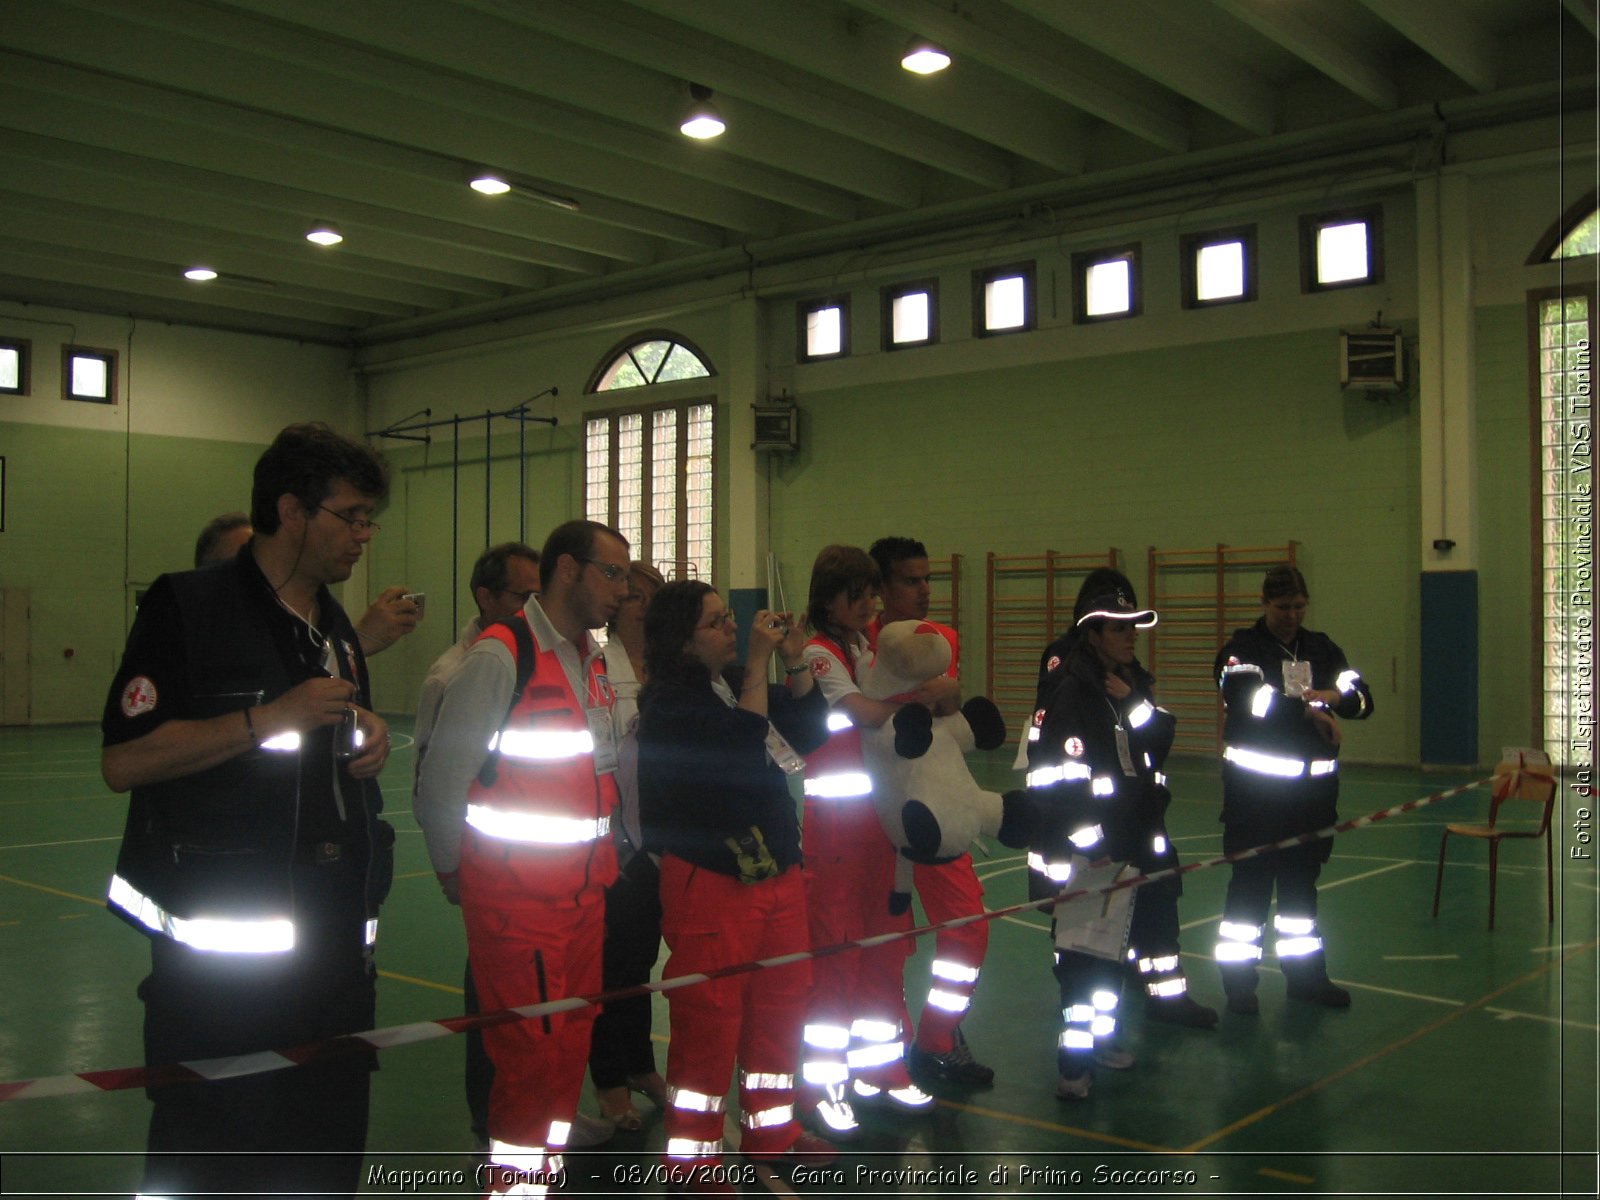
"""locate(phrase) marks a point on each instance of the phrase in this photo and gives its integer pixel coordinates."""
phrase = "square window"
(824, 328)
(910, 314)
(1108, 284)
(1341, 249)
(89, 374)
(1002, 300)
(15, 355)
(1219, 267)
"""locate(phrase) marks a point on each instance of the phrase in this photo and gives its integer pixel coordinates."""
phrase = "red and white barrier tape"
(122, 1078)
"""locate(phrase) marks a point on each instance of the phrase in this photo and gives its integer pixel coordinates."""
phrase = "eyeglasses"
(611, 571)
(718, 621)
(357, 524)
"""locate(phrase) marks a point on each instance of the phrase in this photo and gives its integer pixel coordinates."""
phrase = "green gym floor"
(1466, 1065)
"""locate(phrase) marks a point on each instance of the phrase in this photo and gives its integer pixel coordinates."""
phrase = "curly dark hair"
(304, 461)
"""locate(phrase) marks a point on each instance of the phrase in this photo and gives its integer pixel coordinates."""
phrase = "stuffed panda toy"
(929, 804)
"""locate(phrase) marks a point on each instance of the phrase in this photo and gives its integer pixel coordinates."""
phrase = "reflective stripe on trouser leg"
(1238, 950)
(877, 1052)
(526, 1171)
(1163, 977)
(949, 891)
(766, 1112)
(1298, 945)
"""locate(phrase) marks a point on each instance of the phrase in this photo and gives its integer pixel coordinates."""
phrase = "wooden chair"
(1515, 779)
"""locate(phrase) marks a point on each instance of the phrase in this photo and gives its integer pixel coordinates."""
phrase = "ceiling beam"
(1050, 58)
(1332, 54)
(1449, 33)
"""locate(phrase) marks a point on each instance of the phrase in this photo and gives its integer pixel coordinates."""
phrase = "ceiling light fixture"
(488, 183)
(200, 274)
(701, 120)
(923, 57)
(324, 233)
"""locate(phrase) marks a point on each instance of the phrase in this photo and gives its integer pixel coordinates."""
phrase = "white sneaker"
(910, 1097)
(1074, 1089)
(833, 1114)
(1112, 1058)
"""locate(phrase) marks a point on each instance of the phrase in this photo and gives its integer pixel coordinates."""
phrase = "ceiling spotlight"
(922, 57)
(488, 183)
(200, 274)
(701, 120)
(324, 233)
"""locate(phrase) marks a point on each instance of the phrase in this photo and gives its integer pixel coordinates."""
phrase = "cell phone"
(420, 599)
(347, 741)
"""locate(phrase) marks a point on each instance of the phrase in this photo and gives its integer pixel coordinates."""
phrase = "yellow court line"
(1416, 1035)
(1053, 1127)
(39, 887)
(1285, 1176)
(426, 983)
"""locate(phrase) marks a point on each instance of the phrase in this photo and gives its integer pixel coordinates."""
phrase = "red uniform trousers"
(947, 891)
(711, 920)
(529, 942)
(849, 871)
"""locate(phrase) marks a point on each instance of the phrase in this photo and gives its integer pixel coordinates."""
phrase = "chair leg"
(1438, 880)
(1494, 870)
(1549, 875)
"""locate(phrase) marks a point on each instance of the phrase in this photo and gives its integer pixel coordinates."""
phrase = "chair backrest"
(1519, 779)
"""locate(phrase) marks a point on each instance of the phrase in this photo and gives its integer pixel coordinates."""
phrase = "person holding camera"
(718, 751)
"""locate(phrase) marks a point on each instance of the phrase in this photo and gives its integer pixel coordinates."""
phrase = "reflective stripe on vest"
(535, 828)
(1041, 777)
(273, 935)
(839, 785)
(1275, 764)
(543, 745)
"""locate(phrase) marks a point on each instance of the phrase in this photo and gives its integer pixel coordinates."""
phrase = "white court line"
(73, 842)
(1321, 887)
(1556, 949)
(1507, 1014)
(1421, 958)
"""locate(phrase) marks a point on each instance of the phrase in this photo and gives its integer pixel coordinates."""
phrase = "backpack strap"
(527, 655)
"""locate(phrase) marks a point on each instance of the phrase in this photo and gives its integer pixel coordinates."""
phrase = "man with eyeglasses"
(253, 857)
(515, 798)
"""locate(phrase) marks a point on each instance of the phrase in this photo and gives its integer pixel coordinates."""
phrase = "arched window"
(654, 358)
(649, 468)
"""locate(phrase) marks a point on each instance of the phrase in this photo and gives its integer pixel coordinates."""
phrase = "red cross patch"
(139, 696)
(821, 666)
(1074, 747)
(1055, 661)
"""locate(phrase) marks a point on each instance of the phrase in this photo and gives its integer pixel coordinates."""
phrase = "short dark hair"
(1283, 580)
(493, 568)
(669, 623)
(890, 550)
(575, 538)
(205, 546)
(304, 461)
(847, 569)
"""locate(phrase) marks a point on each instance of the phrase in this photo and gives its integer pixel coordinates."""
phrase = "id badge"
(605, 742)
(1296, 678)
(1124, 754)
(780, 752)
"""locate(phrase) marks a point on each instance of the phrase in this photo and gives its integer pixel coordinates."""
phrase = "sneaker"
(833, 1115)
(807, 1150)
(1245, 1004)
(958, 1066)
(1324, 992)
(1112, 1057)
(1074, 1089)
(908, 1097)
(1181, 1010)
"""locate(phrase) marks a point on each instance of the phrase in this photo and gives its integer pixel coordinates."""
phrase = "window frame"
(1189, 247)
(643, 548)
(982, 277)
(109, 357)
(24, 349)
(1536, 299)
(1131, 253)
(889, 294)
(627, 346)
(804, 309)
(1313, 223)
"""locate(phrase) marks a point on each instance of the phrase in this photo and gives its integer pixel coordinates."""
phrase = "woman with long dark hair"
(717, 751)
